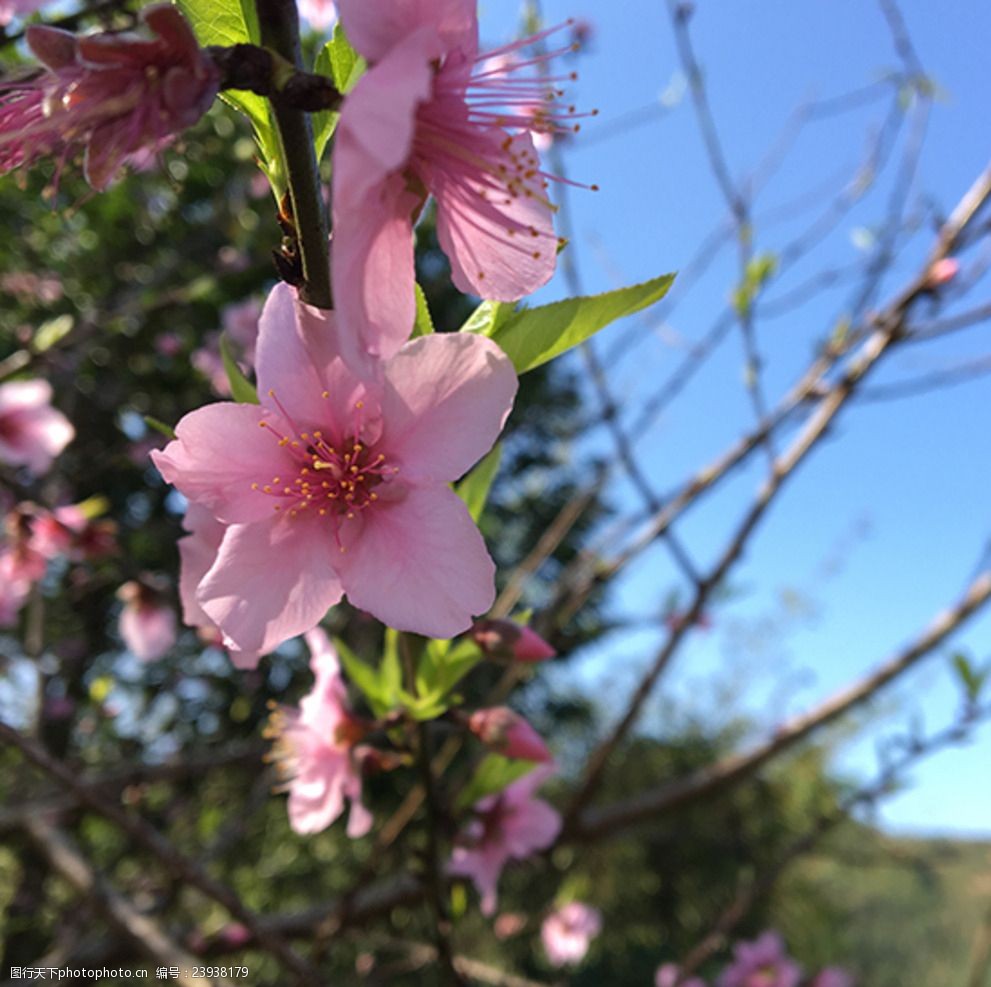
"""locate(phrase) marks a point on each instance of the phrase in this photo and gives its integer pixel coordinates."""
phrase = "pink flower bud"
(509, 924)
(507, 733)
(506, 639)
(147, 626)
(944, 271)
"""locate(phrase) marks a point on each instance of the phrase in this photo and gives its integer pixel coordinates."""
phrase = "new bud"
(508, 640)
(507, 733)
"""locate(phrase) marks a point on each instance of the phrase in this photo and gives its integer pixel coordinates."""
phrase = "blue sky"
(884, 524)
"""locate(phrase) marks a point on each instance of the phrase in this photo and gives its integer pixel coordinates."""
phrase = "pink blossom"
(208, 361)
(240, 322)
(512, 824)
(944, 271)
(9, 9)
(13, 592)
(121, 98)
(507, 639)
(832, 976)
(32, 432)
(667, 976)
(338, 482)
(21, 560)
(762, 963)
(30, 286)
(321, 15)
(508, 924)
(508, 734)
(567, 932)
(147, 626)
(429, 118)
(197, 553)
(72, 531)
(315, 748)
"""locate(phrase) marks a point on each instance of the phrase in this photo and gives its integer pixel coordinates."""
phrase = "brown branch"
(177, 864)
(723, 774)
(66, 859)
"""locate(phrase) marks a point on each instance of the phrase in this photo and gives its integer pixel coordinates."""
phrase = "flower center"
(327, 478)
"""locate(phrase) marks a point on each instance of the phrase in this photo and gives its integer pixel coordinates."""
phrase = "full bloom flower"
(430, 117)
(321, 15)
(32, 432)
(338, 482)
(567, 932)
(508, 734)
(512, 824)
(762, 963)
(147, 625)
(121, 98)
(315, 747)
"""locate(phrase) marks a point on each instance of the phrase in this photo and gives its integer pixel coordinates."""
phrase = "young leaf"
(381, 697)
(424, 324)
(474, 488)
(488, 317)
(167, 430)
(971, 678)
(491, 776)
(346, 65)
(241, 388)
(533, 336)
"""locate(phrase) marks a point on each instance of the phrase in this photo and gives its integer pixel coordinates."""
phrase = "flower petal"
(375, 26)
(271, 581)
(445, 400)
(419, 564)
(218, 452)
(500, 242)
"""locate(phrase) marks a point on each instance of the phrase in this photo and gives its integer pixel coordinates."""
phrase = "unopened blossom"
(944, 271)
(832, 976)
(197, 553)
(32, 432)
(507, 733)
(321, 15)
(508, 640)
(762, 963)
(667, 976)
(433, 117)
(315, 748)
(568, 931)
(339, 481)
(511, 825)
(120, 98)
(147, 625)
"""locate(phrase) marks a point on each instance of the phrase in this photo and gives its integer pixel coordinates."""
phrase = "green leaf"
(491, 776)
(759, 271)
(474, 488)
(346, 65)
(488, 317)
(441, 667)
(241, 388)
(424, 324)
(381, 697)
(971, 678)
(233, 22)
(51, 332)
(167, 430)
(533, 336)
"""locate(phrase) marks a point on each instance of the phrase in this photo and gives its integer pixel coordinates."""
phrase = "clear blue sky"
(884, 525)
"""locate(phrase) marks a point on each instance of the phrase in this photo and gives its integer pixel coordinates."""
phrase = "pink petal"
(375, 26)
(218, 452)
(271, 581)
(445, 401)
(53, 47)
(149, 631)
(486, 260)
(314, 803)
(197, 552)
(419, 564)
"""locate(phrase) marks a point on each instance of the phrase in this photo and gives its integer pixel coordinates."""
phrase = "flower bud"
(506, 639)
(507, 733)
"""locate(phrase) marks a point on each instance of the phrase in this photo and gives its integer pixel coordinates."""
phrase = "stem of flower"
(278, 22)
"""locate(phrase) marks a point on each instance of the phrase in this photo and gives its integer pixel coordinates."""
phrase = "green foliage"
(758, 272)
(442, 665)
(474, 488)
(241, 388)
(424, 324)
(972, 679)
(531, 337)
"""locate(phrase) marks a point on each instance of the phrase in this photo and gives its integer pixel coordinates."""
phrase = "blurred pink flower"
(208, 361)
(507, 639)
(167, 344)
(71, 532)
(120, 97)
(944, 271)
(240, 321)
(9, 9)
(32, 432)
(339, 481)
(567, 932)
(512, 824)
(667, 976)
(147, 626)
(832, 976)
(29, 286)
(508, 924)
(21, 559)
(13, 592)
(507, 733)
(321, 15)
(315, 748)
(762, 963)
(430, 117)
